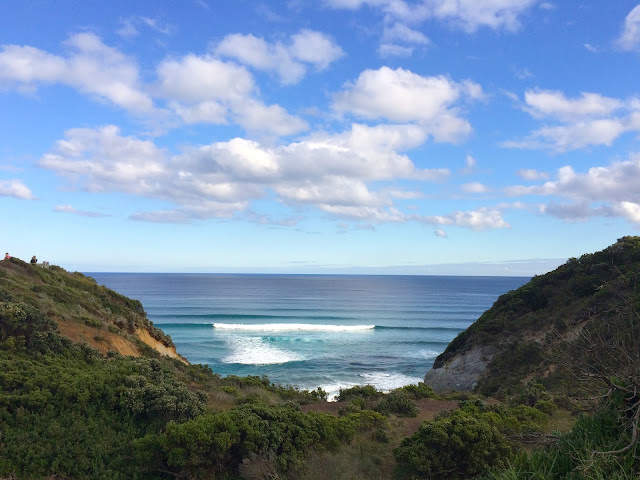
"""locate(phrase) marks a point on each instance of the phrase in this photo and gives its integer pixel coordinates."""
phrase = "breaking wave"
(288, 327)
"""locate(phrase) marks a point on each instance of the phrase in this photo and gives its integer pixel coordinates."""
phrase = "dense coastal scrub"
(72, 405)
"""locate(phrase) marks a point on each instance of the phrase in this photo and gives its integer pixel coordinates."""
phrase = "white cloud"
(194, 78)
(206, 89)
(332, 192)
(92, 67)
(530, 174)
(630, 210)
(130, 26)
(405, 34)
(401, 40)
(15, 188)
(83, 213)
(315, 48)
(549, 103)
(591, 48)
(609, 190)
(630, 37)
(468, 15)
(480, 219)
(256, 116)
(290, 61)
(572, 137)
(475, 187)
(103, 160)
(469, 165)
(197, 89)
(440, 233)
(589, 120)
(394, 50)
(337, 174)
(403, 96)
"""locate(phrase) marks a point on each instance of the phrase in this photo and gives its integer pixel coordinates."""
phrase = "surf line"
(283, 327)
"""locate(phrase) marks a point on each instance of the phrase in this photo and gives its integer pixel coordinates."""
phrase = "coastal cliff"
(84, 311)
(549, 328)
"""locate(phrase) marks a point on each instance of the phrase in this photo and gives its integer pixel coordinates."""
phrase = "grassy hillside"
(561, 328)
(84, 311)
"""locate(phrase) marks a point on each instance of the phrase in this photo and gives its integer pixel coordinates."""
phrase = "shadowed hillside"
(576, 322)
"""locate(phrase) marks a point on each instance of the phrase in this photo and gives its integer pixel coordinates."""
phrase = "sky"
(461, 137)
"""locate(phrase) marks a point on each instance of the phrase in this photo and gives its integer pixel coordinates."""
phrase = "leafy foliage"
(586, 452)
(465, 442)
(216, 443)
(524, 326)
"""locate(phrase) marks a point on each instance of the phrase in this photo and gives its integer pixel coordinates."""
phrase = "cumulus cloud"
(610, 190)
(468, 15)
(588, 120)
(550, 103)
(440, 233)
(204, 89)
(289, 61)
(104, 160)
(195, 78)
(630, 37)
(15, 188)
(335, 173)
(475, 187)
(91, 67)
(196, 89)
(480, 219)
(403, 96)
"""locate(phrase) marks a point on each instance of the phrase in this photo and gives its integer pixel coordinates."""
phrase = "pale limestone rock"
(461, 373)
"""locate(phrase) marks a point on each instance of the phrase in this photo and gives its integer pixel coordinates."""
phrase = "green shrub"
(421, 390)
(454, 446)
(397, 403)
(362, 391)
(217, 444)
(578, 455)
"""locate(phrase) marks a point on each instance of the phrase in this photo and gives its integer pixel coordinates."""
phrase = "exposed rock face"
(461, 373)
(84, 311)
(551, 328)
(145, 337)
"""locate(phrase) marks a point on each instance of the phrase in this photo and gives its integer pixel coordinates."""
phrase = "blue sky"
(349, 136)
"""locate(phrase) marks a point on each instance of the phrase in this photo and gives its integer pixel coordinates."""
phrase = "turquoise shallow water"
(331, 331)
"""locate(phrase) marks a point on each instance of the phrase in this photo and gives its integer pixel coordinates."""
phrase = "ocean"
(329, 331)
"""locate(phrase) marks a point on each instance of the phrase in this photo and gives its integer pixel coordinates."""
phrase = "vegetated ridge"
(576, 322)
(84, 311)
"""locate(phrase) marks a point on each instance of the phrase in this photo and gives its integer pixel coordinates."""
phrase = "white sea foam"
(425, 354)
(385, 382)
(254, 351)
(333, 389)
(288, 327)
(389, 381)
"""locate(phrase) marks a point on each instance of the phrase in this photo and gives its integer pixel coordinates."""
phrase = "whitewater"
(328, 331)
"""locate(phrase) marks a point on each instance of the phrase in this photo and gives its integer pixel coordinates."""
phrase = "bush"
(361, 391)
(421, 390)
(221, 443)
(454, 446)
(398, 403)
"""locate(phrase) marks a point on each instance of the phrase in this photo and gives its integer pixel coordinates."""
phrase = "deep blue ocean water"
(330, 331)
